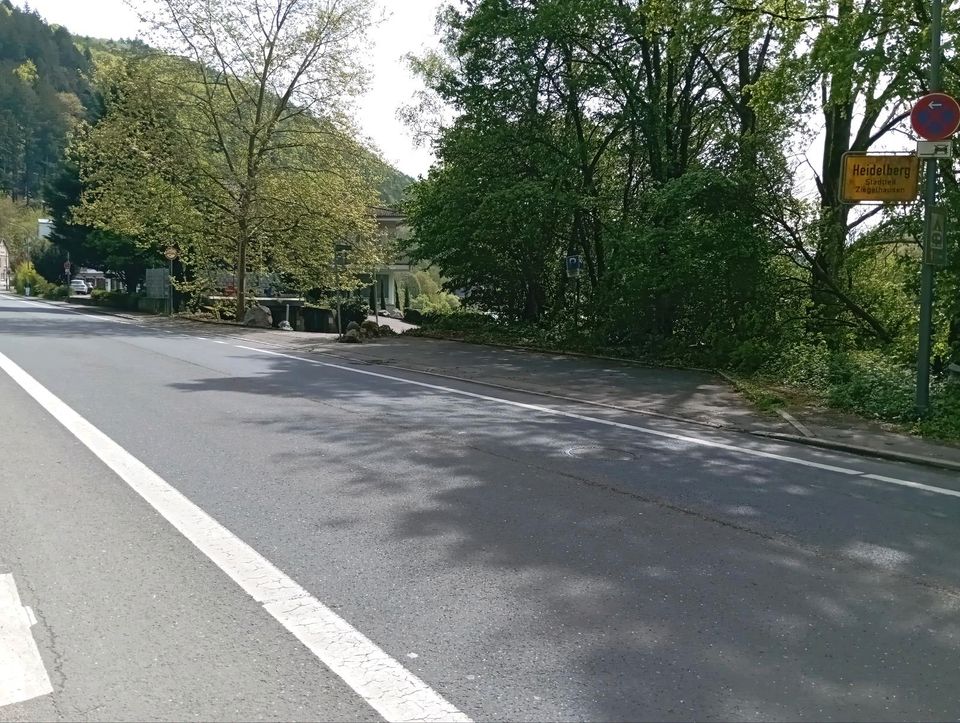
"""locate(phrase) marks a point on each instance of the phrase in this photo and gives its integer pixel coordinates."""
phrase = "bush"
(412, 316)
(26, 275)
(354, 309)
(869, 384)
(807, 364)
(57, 292)
(944, 420)
(115, 299)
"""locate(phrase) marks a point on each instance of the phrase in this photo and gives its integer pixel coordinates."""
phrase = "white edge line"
(54, 307)
(388, 687)
(914, 485)
(620, 425)
(562, 413)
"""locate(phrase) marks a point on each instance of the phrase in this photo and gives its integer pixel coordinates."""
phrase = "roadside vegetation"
(668, 145)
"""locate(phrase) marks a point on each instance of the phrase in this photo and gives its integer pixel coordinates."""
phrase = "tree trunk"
(241, 306)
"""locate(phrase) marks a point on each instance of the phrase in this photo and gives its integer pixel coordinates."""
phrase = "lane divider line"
(389, 688)
(610, 423)
(22, 673)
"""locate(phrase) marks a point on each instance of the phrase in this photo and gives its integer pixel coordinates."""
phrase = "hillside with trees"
(58, 92)
(44, 92)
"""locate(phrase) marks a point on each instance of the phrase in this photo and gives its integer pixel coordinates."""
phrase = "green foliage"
(694, 275)
(25, 275)
(278, 189)
(870, 385)
(18, 228)
(57, 292)
(116, 299)
(44, 92)
(944, 419)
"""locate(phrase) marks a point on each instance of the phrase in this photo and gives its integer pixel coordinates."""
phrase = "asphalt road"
(522, 562)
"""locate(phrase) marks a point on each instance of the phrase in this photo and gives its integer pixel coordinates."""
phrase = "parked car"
(79, 286)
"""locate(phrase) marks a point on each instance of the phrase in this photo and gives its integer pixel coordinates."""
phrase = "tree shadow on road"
(665, 580)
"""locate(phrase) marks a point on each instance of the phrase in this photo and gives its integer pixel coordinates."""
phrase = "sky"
(408, 27)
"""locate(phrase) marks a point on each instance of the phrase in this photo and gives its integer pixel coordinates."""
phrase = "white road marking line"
(914, 485)
(22, 675)
(561, 413)
(389, 688)
(620, 425)
(54, 307)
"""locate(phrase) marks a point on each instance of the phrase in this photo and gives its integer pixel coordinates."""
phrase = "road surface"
(200, 528)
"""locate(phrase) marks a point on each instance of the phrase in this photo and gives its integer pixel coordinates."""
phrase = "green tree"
(241, 154)
(572, 118)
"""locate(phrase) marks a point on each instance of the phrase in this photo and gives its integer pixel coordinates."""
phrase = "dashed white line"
(388, 687)
(22, 674)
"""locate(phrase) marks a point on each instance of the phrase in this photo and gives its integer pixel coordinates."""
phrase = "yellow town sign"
(879, 178)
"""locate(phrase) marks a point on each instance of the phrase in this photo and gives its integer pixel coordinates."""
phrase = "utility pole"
(929, 202)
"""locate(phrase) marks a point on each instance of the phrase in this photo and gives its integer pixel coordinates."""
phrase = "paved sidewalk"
(695, 396)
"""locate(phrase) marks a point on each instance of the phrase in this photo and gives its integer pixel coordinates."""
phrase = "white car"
(79, 286)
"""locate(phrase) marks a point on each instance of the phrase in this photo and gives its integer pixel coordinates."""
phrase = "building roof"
(382, 213)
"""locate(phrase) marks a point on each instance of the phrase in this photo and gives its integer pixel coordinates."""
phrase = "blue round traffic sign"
(936, 117)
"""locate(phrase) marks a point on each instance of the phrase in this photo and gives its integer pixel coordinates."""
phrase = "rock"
(351, 337)
(284, 326)
(353, 326)
(258, 316)
(386, 330)
(369, 328)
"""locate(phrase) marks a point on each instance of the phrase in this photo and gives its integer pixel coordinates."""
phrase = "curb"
(857, 449)
(217, 322)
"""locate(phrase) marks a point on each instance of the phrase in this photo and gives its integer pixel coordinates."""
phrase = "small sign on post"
(935, 149)
(935, 248)
(886, 178)
(574, 266)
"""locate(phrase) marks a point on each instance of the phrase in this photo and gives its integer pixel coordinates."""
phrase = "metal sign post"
(931, 116)
(170, 254)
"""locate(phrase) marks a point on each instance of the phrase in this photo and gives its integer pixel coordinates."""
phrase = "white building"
(5, 276)
(393, 225)
(44, 228)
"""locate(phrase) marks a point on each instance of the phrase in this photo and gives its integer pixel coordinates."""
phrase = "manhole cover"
(608, 454)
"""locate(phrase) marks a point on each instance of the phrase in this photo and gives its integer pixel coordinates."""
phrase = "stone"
(369, 328)
(353, 326)
(386, 330)
(351, 337)
(284, 326)
(258, 316)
